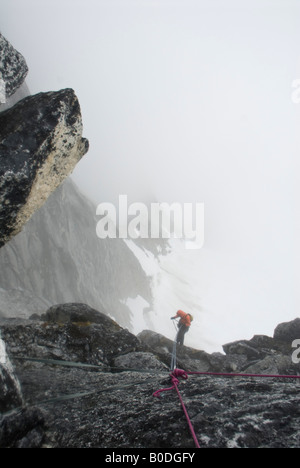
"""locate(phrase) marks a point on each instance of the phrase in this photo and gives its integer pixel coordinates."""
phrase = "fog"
(189, 101)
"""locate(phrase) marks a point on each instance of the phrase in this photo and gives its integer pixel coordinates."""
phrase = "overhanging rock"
(40, 144)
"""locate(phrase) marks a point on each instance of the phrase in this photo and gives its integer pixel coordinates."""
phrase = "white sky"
(188, 100)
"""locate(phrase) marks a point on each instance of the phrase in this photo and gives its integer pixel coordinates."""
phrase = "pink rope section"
(184, 374)
(230, 374)
(175, 381)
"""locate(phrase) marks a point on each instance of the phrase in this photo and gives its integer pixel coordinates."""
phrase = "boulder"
(13, 67)
(139, 360)
(287, 332)
(40, 144)
(69, 332)
(156, 341)
(241, 347)
(235, 363)
(274, 365)
(74, 312)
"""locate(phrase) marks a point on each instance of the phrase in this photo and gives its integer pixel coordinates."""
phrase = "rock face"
(40, 144)
(288, 331)
(71, 332)
(104, 397)
(58, 258)
(13, 67)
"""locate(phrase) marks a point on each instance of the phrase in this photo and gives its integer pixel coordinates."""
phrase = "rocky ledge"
(86, 382)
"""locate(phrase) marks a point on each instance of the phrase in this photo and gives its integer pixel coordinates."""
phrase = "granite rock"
(13, 67)
(40, 144)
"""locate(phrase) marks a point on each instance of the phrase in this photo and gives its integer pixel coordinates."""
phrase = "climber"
(183, 326)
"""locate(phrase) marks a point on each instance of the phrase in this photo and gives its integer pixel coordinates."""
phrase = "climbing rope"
(175, 381)
(175, 375)
(174, 357)
(232, 374)
(59, 362)
(74, 396)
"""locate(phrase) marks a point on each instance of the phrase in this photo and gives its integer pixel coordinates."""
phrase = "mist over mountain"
(58, 258)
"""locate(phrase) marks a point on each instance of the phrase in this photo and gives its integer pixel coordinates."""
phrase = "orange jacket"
(185, 319)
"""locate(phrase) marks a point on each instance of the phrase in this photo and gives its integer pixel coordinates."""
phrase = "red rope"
(187, 417)
(184, 374)
(229, 374)
(174, 377)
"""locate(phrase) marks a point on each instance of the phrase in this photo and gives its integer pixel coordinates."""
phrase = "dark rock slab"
(100, 407)
(23, 428)
(70, 332)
